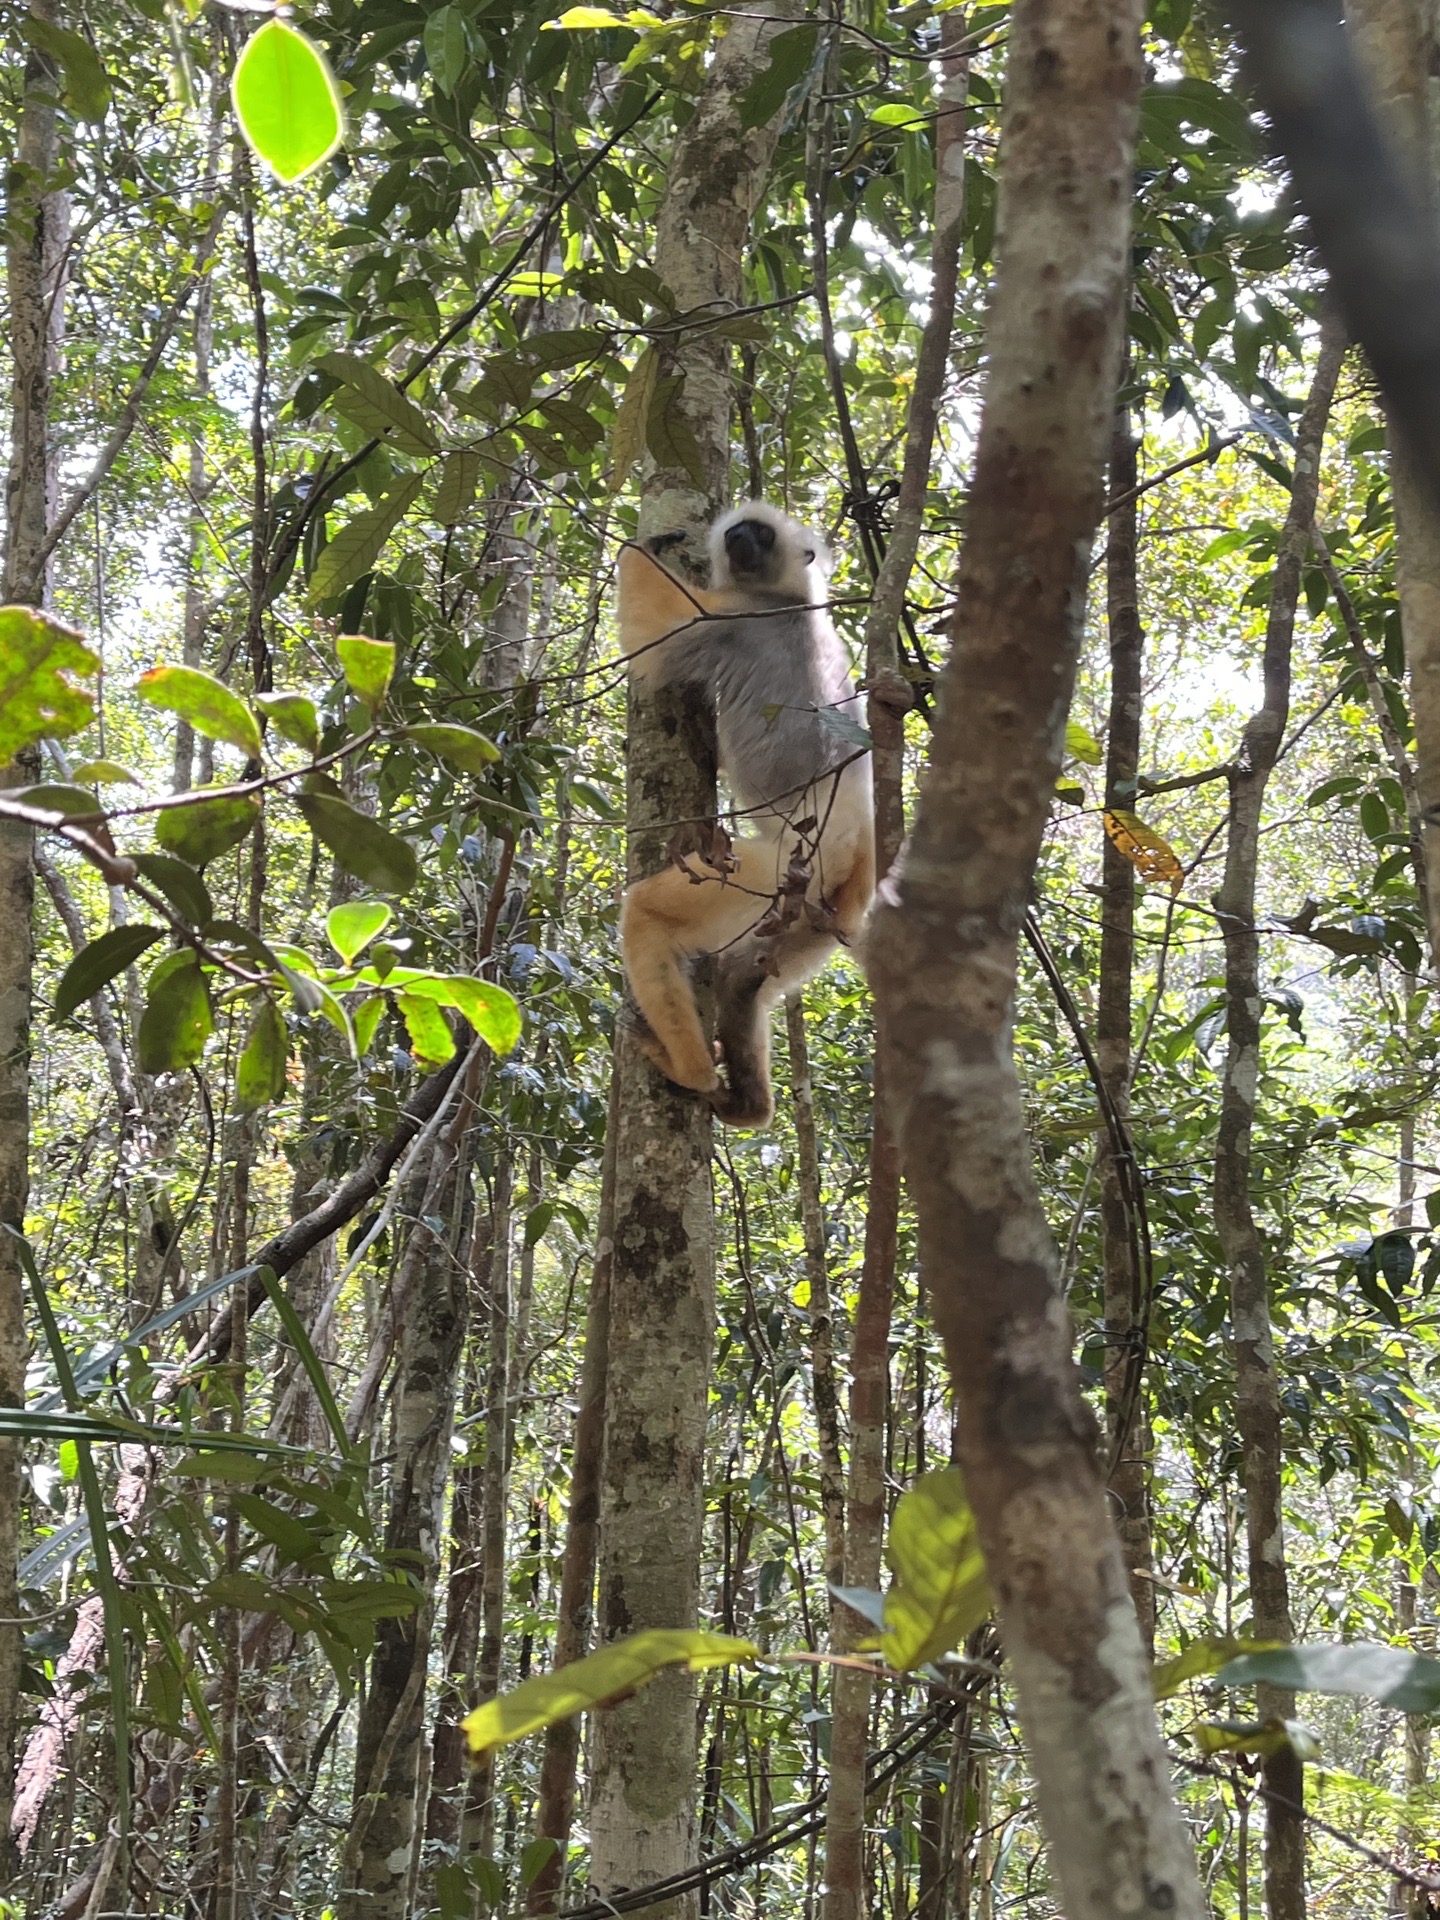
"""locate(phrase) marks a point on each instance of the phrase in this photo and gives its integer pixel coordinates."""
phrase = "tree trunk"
(390, 1739)
(642, 1815)
(1126, 1425)
(37, 229)
(943, 956)
(889, 701)
(1257, 1386)
(576, 1613)
(1399, 44)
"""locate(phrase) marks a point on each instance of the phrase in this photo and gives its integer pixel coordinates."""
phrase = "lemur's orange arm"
(653, 602)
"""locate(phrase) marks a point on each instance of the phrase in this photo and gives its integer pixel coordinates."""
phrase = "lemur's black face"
(750, 550)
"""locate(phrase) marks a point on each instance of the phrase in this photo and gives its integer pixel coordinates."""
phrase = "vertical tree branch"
(942, 953)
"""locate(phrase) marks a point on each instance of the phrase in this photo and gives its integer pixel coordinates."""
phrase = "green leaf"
(361, 845)
(671, 438)
(1262, 1737)
(53, 796)
(286, 101)
(201, 830)
(491, 1011)
(99, 962)
(293, 717)
(105, 773)
(368, 665)
(181, 886)
(372, 400)
(600, 1679)
(534, 1855)
(366, 1020)
(36, 698)
(353, 926)
(627, 438)
(940, 1591)
(356, 547)
(207, 703)
(177, 1020)
(466, 750)
(260, 1075)
(790, 55)
(431, 1040)
(1409, 1682)
(1081, 744)
(447, 47)
(890, 113)
(87, 87)
(1201, 1657)
(458, 479)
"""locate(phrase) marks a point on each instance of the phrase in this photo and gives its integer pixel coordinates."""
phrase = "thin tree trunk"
(1257, 1386)
(642, 1813)
(817, 1272)
(888, 702)
(943, 957)
(390, 1741)
(576, 1612)
(1398, 42)
(37, 230)
(1126, 1425)
(478, 1836)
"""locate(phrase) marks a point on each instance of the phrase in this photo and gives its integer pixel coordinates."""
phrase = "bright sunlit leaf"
(286, 101)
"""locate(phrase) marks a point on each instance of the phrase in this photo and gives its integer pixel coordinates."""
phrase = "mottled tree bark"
(576, 1613)
(1257, 1386)
(1399, 45)
(37, 229)
(642, 1813)
(823, 1391)
(943, 955)
(1126, 1426)
(390, 1740)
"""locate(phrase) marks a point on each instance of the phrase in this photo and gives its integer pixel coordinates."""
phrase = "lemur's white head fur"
(756, 545)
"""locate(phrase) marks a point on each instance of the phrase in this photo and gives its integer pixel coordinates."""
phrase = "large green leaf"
(202, 830)
(368, 665)
(207, 703)
(99, 962)
(286, 100)
(458, 480)
(293, 716)
(431, 1040)
(627, 438)
(491, 1011)
(374, 402)
(353, 926)
(790, 55)
(87, 86)
(940, 1591)
(260, 1074)
(1409, 1682)
(356, 547)
(447, 47)
(601, 1679)
(465, 749)
(361, 845)
(177, 1020)
(36, 698)
(1201, 1657)
(180, 884)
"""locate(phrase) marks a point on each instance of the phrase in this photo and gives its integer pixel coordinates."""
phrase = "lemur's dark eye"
(809, 555)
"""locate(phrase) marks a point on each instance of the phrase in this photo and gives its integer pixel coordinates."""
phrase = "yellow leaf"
(598, 1680)
(1148, 852)
(940, 1591)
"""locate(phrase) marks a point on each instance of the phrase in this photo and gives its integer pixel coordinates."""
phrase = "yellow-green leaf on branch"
(940, 1592)
(491, 1011)
(367, 665)
(207, 703)
(354, 925)
(431, 1040)
(1200, 1659)
(293, 716)
(286, 101)
(36, 697)
(465, 749)
(356, 547)
(599, 1680)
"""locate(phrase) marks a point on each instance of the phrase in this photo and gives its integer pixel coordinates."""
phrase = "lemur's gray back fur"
(773, 672)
